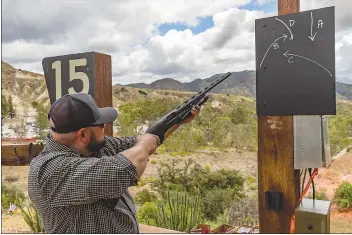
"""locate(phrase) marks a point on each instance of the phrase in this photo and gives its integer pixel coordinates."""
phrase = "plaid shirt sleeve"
(122, 143)
(67, 180)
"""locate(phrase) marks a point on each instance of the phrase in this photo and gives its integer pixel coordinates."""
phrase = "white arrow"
(311, 37)
(291, 38)
(283, 36)
(290, 54)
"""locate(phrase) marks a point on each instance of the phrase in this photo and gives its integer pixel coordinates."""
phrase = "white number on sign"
(73, 76)
(57, 66)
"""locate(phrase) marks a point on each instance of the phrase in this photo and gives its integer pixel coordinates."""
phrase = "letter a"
(320, 23)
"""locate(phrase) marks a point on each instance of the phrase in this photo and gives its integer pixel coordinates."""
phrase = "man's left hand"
(194, 113)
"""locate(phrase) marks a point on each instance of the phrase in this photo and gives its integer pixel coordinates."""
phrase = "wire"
(292, 221)
(310, 174)
(304, 179)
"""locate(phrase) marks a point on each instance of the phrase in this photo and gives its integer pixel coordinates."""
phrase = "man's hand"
(148, 141)
(194, 113)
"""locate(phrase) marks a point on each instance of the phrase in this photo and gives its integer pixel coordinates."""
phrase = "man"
(79, 182)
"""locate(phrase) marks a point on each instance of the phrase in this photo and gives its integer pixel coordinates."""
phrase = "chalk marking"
(288, 54)
(283, 36)
(291, 38)
(311, 37)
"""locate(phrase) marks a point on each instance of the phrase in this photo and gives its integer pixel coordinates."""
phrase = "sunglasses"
(100, 125)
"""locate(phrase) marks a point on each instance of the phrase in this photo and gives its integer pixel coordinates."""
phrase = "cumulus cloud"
(128, 31)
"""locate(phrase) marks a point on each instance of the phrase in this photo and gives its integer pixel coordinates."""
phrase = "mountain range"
(25, 87)
(239, 83)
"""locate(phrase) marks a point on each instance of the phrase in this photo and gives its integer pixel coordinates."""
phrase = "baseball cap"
(72, 112)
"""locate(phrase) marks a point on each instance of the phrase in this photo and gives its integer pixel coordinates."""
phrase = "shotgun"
(183, 111)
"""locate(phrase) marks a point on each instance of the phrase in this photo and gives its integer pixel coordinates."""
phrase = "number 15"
(73, 75)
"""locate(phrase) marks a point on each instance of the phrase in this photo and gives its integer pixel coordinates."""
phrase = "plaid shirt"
(78, 194)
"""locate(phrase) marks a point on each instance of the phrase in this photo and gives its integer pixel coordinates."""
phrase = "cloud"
(343, 28)
(128, 31)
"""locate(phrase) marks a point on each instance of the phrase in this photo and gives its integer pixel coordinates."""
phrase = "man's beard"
(94, 145)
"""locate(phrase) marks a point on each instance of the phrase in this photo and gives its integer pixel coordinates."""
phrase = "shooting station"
(295, 78)
(295, 88)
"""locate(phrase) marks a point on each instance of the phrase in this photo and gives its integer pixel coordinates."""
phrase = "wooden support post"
(275, 160)
(103, 84)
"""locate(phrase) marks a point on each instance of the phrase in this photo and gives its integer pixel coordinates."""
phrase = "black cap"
(72, 112)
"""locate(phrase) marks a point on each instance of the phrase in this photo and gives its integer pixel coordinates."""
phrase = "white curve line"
(284, 36)
(291, 38)
(311, 61)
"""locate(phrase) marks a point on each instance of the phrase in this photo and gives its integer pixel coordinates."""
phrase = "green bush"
(343, 195)
(340, 126)
(319, 195)
(145, 196)
(193, 178)
(11, 194)
(217, 201)
(147, 213)
(245, 211)
(219, 127)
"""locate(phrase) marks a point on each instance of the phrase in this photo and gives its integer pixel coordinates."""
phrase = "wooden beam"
(275, 160)
(19, 154)
(103, 84)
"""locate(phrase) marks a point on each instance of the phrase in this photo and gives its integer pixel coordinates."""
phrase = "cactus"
(178, 212)
(32, 218)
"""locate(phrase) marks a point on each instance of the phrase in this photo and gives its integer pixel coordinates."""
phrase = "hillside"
(26, 87)
(239, 83)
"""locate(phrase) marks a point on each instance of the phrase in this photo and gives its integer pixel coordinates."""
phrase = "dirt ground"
(327, 180)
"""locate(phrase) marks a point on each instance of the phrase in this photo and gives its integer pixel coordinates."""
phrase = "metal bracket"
(274, 200)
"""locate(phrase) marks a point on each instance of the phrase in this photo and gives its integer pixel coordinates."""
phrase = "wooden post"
(88, 72)
(103, 84)
(275, 160)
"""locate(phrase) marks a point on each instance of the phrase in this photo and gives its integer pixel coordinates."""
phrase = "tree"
(41, 119)
(4, 106)
(12, 111)
(20, 128)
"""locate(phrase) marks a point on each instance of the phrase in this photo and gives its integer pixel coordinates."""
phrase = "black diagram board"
(295, 64)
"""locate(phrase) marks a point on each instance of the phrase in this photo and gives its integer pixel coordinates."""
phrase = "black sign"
(68, 74)
(295, 64)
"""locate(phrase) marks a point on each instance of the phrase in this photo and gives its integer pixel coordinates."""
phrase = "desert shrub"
(216, 202)
(145, 196)
(186, 139)
(319, 195)
(11, 178)
(340, 127)
(245, 211)
(147, 213)
(219, 127)
(142, 92)
(343, 195)
(193, 178)
(11, 194)
(223, 218)
(41, 119)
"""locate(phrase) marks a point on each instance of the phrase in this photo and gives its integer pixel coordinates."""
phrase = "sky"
(150, 40)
